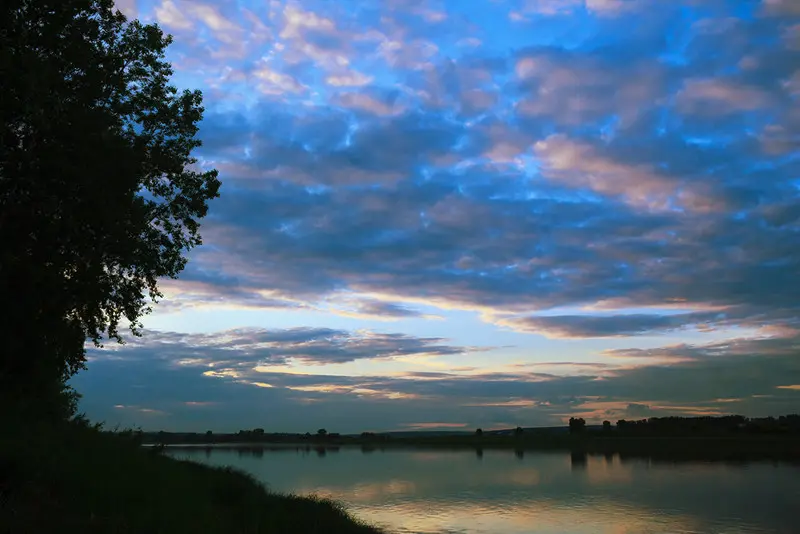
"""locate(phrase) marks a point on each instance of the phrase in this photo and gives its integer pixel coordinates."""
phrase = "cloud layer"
(574, 170)
(233, 377)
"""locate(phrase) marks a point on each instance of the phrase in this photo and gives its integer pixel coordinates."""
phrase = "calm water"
(499, 492)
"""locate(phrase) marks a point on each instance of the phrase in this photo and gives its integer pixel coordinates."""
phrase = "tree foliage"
(577, 425)
(99, 194)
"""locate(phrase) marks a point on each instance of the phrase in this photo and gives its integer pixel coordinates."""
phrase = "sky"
(452, 214)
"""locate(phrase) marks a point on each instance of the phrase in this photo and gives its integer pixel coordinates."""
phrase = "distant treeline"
(710, 426)
(706, 426)
(256, 435)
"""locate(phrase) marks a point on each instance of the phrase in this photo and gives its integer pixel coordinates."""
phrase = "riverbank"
(74, 478)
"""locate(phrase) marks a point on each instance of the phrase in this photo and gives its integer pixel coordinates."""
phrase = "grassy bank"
(76, 479)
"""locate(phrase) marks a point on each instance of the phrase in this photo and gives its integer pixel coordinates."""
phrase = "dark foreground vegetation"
(72, 477)
(729, 437)
(100, 199)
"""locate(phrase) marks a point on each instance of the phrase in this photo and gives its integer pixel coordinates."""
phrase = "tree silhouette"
(322, 432)
(606, 426)
(576, 425)
(98, 197)
(479, 432)
(518, 431)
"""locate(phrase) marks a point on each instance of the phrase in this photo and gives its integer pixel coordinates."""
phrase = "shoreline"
(704, 448)
(75, 478)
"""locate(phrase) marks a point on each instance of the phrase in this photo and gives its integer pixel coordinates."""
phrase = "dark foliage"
(74, 477)
(577, 425)
(98, 199)
(710, 426)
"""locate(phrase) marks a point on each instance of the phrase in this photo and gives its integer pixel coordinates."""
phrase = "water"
(499, 492)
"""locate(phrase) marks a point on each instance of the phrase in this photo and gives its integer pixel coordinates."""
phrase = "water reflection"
(578, 461)
(513, 492)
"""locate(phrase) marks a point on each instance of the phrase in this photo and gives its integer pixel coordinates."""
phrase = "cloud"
(573, 88)
(241, 350)
(703, 378)
(599, 169)
(376, 309)
(638, 410)
(579, 165)
(277, 83)
(370, 104)
(349, 79)
(426, 426)
(596, 326)
(171, 16)
(602, 8)
(781, 7)
(718, 96)
(128, 7)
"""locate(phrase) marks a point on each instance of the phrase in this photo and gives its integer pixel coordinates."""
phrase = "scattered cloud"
(571, 173)
(246, 348)
(598, 326)
(718, 96)
(700, 379)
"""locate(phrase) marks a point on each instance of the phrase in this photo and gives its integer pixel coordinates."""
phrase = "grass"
(73, 478)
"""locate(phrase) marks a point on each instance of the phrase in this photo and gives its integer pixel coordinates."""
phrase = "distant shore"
(702, 447)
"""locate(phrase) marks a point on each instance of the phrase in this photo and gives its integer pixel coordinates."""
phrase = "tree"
(322, 432)
(98, 195)
(479, 432)
(576, 425)
(606, 426)
(518, 431)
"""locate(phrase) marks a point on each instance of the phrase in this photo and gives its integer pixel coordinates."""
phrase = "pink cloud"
(367, 103)
(128, 8)
(578, 89)
(780, 7)
(277, 83)
(603, 8)
(350, 78)
(297, 21)
(718, 97)
(580, 165)
(169, 15)
(435, 425)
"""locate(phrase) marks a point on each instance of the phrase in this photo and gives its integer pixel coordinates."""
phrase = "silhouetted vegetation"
(73, 477)
(734, 436)
(710, 426)
(97, 196)
(576, 425)
(99, 199)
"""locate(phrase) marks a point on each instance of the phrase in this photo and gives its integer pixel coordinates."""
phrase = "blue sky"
(462, 214)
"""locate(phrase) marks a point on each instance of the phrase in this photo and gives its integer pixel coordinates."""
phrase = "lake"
(502, 492)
